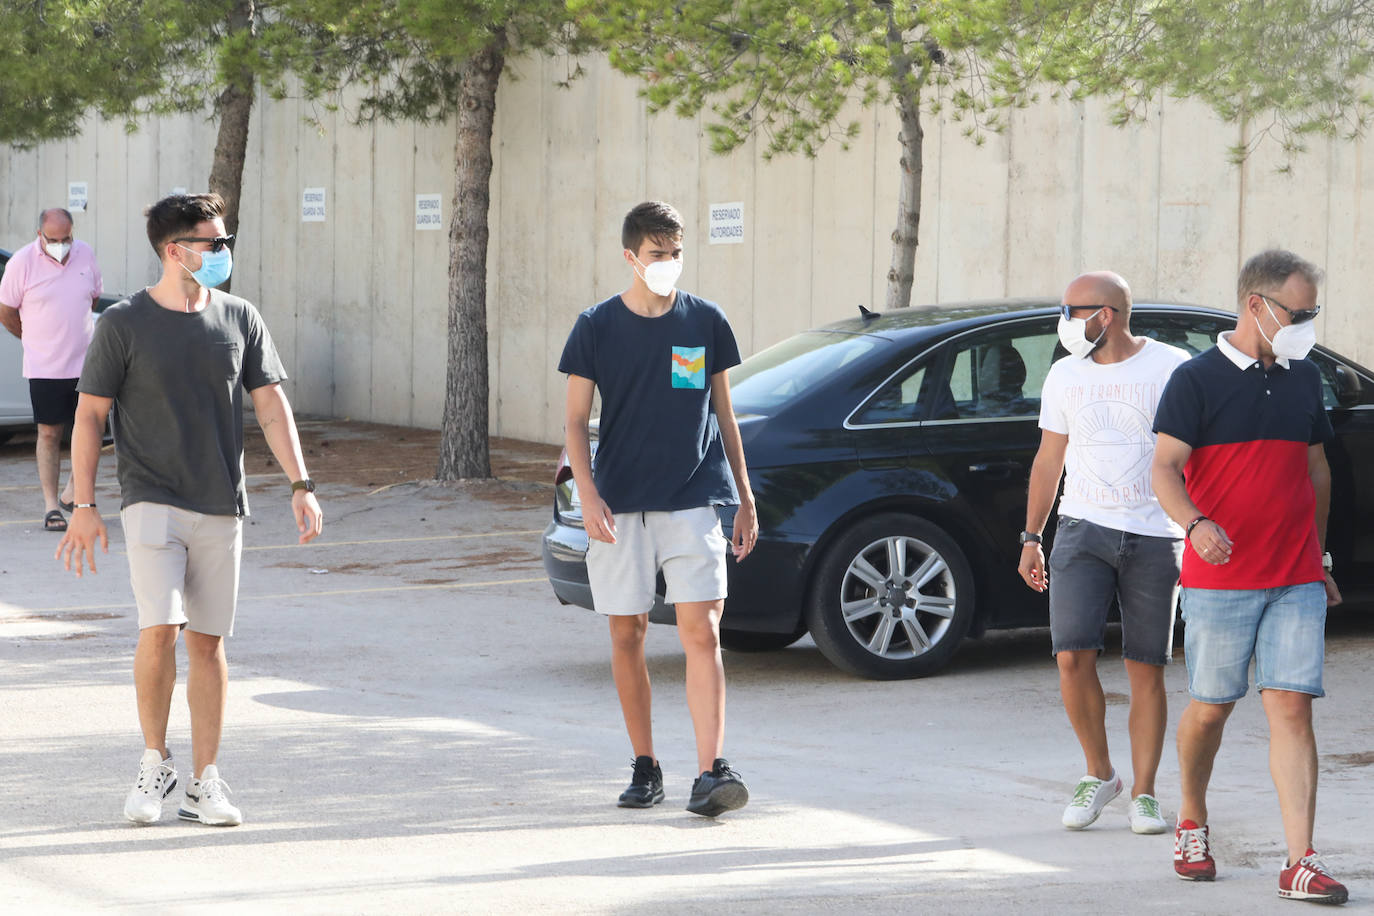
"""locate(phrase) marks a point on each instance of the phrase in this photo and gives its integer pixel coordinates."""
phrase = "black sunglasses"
(217, 244)
(1296, 316)
(1067, 310)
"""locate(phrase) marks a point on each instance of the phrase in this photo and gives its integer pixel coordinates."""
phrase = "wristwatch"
(305, 483)
(1326, 562)
(1030, 537)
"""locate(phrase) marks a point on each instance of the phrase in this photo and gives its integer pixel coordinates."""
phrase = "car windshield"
(773, 377)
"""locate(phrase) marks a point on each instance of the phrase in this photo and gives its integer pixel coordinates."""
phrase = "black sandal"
(54, 521)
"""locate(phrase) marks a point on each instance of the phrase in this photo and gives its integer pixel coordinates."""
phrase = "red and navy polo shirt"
(1250, 430)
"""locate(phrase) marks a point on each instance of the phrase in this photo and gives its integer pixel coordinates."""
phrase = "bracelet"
(1193, 524)
(83, 505)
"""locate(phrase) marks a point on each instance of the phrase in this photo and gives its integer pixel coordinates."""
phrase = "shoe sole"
(632, 803)
(1334, 899)
(195, 818)
(1151, 830)
(154, 819)
(1184, 877)
(728, 797)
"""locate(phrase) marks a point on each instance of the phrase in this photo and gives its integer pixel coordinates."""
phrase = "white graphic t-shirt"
(1108, 413)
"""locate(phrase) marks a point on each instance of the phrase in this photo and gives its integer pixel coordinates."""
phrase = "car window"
(899, 401)
(1330, 383)
(772, 377)
(997, 374)
(1193, 333)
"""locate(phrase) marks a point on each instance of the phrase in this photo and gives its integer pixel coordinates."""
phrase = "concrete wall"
(358, 303)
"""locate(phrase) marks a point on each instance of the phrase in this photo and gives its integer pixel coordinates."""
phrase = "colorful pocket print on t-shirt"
(689, 367)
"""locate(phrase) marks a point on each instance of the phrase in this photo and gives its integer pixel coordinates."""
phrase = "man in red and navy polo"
(1240, 464)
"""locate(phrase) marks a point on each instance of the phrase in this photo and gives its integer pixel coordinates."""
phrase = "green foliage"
(789, 72)
(62, 58)
(404, 55)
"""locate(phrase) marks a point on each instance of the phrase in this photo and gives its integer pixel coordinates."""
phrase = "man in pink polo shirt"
(50, 288)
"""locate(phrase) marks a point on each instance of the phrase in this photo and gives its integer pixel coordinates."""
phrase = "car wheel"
(745, 641)
(892, 598)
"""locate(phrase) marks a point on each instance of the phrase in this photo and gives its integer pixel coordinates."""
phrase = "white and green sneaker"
(1146, 816)
(1091, 796)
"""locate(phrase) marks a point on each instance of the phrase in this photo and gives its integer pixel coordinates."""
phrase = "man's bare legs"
(49, 454)
(207, 690)
(1199, 737)
(1086, 706)
(698, 627)
(1293, 765)
(1148, 720)
(631, 675)
(155, 674)
(207, 679)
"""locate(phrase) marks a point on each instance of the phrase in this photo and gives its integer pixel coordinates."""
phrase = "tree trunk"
(904, 237)
(235, 107)
(463, 447)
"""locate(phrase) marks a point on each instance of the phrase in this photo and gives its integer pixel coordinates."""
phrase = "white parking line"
(435, 537)
(332, 591)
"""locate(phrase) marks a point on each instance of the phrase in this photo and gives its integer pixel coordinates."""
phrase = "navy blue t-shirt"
(659, 446)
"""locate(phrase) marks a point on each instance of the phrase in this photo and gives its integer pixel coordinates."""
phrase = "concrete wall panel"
(1044, 197)
(524, 199)
(279, 237)
(974, 246)
(838, 227)
(315, 255)
(1120, 189)
(354, 211)
(1199, 208)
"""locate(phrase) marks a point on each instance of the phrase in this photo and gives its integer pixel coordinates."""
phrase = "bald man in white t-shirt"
(1112, 542)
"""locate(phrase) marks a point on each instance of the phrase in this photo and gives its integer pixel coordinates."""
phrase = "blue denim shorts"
(1283, 629)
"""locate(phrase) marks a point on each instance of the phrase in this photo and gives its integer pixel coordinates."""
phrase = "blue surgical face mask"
(215, 267)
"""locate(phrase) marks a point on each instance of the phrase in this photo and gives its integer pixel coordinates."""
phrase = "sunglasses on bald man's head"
(1296, 316)
(217, 244)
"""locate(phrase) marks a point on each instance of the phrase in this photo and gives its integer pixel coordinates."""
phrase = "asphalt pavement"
(416, 725)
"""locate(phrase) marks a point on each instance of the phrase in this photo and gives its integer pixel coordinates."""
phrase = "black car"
(889, 456)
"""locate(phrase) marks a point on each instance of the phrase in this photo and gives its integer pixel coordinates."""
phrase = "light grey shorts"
(184, 566)
(687, 545)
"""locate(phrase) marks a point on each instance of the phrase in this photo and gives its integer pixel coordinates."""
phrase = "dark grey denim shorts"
(1090, 565)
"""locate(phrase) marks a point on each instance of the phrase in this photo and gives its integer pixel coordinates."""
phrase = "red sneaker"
(1309, 880)
(1192, 856)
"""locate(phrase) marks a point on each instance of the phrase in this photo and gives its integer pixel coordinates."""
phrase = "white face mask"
(1293, 341)
(1073, 334)
(57, 250)
(660, 276)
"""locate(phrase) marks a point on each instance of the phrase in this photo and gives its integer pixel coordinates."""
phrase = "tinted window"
(899, 401)
(1193, 333)
(996, 374)
(777, 375)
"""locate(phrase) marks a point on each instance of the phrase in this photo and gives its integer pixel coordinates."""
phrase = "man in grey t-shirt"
(177, 358)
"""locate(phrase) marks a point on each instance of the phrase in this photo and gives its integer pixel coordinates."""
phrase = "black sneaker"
(646, 785)
(718, 791)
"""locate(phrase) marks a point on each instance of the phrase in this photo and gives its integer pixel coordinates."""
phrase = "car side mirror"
(1348, 388)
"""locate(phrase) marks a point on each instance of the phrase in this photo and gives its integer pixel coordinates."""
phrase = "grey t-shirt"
(177, 379)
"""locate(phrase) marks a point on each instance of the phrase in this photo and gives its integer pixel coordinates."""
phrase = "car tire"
(902, 626)
(746, 641)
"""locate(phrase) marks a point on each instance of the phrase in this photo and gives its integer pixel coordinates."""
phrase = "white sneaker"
(1145, 815)
(1091, 796)
(156, 780)
(207, 801)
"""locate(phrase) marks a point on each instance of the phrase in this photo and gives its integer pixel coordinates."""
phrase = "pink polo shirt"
(54, 301)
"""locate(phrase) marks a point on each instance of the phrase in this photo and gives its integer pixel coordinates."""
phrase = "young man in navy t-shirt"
(1240, 463)
(668, 453)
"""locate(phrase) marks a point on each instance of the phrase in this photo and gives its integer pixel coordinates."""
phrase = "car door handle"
(999, 469)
